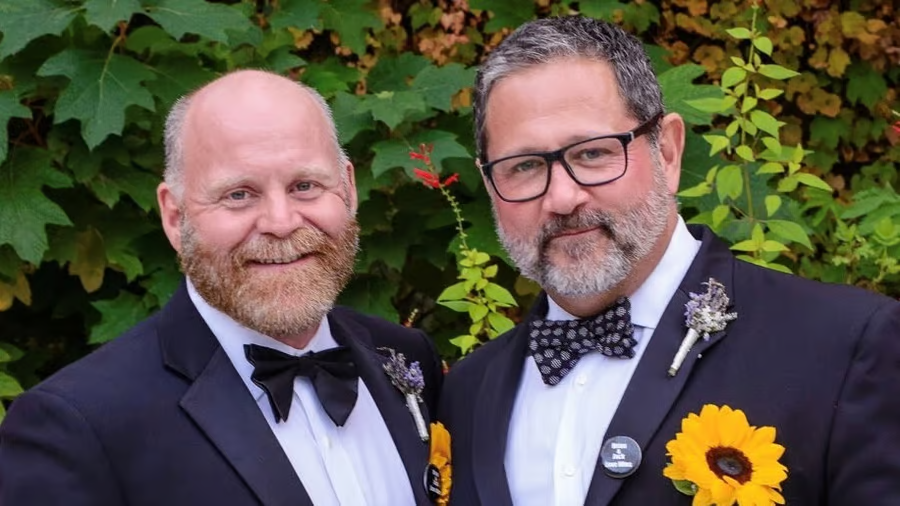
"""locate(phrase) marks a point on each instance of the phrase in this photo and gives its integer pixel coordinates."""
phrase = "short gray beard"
(630, 236)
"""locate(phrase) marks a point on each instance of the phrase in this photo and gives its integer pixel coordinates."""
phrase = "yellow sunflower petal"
(775, 497)
(722, 493)
(703, 498)
(734, 428)
(769, 475)
(674, 472)
(709, 421)
(751, 494)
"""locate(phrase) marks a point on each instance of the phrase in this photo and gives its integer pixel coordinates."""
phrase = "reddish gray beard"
(286, 302)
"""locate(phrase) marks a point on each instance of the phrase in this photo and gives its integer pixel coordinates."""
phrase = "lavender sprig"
(704, 314)
(410, 381)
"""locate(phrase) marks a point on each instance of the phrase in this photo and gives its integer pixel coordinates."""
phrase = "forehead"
(259, 137)
(552, 102)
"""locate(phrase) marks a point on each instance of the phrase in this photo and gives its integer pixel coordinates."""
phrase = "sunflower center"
(731, 462)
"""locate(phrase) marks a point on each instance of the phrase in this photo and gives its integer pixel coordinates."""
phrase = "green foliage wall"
(85, 85)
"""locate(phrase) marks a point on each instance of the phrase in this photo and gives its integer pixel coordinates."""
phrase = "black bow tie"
(557, 346)
(332, 372)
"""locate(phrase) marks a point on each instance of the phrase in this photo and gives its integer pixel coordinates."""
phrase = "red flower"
(896, 127)
(422, 154)
(452, 179)
(419, 156)
(427, 178)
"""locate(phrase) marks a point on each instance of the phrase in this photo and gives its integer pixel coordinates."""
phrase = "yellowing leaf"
(710, 56)
(838, 59)
(20, 290)
(852, 24)
(90, 260)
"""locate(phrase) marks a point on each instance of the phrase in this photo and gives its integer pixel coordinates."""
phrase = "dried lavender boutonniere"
(704, 314)
(410, 382)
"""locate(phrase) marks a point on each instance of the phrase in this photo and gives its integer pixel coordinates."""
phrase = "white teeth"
(279, 261)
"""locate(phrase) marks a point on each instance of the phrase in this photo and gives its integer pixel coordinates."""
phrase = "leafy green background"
(85, 85)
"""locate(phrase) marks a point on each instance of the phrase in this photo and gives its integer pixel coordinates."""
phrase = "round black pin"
(432, 482)
(620, 456)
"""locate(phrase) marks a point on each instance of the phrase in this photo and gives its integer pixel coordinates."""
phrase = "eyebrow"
(221, 185)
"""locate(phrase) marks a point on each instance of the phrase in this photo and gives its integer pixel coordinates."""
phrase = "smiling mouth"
(280, 261)
(574, 232)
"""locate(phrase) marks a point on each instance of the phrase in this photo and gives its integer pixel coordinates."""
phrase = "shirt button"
(581, 380)
(326, 441)
(569, 470)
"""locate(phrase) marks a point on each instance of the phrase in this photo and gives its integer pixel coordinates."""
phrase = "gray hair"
(174, 146)
(546, 40)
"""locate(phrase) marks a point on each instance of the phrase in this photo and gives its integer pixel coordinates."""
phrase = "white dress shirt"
(555, 432)
(354, 465)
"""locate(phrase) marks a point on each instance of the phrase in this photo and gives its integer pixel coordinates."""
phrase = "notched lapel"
(390, 401)
(651, 392)
(220, 404)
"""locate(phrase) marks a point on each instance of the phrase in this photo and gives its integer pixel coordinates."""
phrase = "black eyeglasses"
(592, 162)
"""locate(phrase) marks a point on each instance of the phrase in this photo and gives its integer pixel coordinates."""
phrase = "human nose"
(564, 194)
(280, 217)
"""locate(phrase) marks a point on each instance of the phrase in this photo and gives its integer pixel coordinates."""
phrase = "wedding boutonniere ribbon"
(704, 314)
(409, 380)
(719, 469)
(438, 477)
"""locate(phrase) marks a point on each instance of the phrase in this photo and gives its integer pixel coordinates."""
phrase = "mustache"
(302, 242)
(577, 221)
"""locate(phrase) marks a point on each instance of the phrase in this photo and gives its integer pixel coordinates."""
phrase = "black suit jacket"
(820, 363)
(159, 416)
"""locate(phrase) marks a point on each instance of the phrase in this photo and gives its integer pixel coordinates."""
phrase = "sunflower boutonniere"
(438, 479)
(722, 460)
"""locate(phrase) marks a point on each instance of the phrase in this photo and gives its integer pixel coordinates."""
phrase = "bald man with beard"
(249, 387)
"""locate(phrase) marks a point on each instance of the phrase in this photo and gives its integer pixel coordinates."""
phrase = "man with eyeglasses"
(577, 403)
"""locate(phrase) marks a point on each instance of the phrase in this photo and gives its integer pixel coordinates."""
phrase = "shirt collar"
(650, 300)
(232, 336)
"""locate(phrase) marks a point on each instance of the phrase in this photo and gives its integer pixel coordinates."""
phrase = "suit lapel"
(221, 406)
(493, 410)
(651, 392)
(391, 403)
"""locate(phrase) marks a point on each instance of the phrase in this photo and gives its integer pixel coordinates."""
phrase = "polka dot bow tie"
(558, 345)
